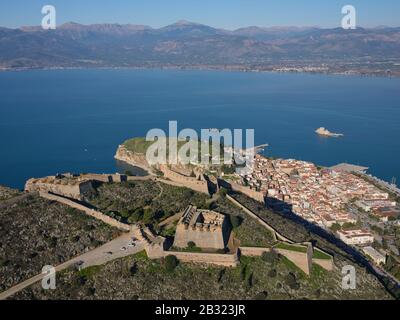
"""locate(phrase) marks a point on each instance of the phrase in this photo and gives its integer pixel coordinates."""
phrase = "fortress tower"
(207, 229)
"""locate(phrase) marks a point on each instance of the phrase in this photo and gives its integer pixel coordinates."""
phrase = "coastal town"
(338, 199)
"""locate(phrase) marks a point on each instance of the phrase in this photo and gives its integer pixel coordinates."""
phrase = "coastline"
(241, 69)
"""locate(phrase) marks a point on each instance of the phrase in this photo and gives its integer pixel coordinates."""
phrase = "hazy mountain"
(186, 43)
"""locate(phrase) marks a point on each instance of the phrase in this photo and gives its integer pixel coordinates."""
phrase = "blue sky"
(228, 14)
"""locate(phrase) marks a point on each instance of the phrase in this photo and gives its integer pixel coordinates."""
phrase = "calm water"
(73, 120)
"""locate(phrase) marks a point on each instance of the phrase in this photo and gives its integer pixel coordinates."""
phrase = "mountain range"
(186, 44)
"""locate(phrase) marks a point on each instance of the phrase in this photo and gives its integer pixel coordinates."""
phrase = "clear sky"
(229, 14)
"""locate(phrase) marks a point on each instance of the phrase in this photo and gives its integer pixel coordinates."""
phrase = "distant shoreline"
(207, 68)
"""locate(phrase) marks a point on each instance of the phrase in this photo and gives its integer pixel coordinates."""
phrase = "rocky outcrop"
(132, 158)
(325, 132)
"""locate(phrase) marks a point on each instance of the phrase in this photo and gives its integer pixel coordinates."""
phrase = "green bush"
(235, 221)
(272, 273)
(148, 215)
(222, 192)
(291, 281)
(271, 257)
(170, 263)
(191, 244)
(261, 295)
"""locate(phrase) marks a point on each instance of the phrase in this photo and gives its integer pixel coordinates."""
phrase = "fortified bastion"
(207, 229)
(67, 185)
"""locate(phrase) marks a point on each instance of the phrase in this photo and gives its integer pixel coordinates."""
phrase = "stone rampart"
(189, 182)
(251, 193)
(327, 264)
(227, 260)
(93, 213)
(300, 259)
(275, 233)
(253, 251)
(76, 189)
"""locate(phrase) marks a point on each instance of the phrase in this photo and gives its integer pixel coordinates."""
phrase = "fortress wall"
(155, 251)
(189, 182)
(97, 177)
(71, 191)
(253, 251)
(86, 188)
(327, 264)
(139, 178)
(169, 182)
(256, 195)
(75, 191)
(107, 178)
(276, 234)
(300, 259)
(227, 260)
(93, 213)
(309, 254)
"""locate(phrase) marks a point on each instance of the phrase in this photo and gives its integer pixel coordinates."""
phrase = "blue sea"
(73, 120)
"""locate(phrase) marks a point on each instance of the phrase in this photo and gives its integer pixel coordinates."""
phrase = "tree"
(235, 221)
(221, 275)
(136, 216)
(133, 269)
(191, 244)
(263, 295)
(124, 213)
(170, 263)
(270, 257)
(148, 215)
(272, 273)
(249, 280)
(222, 192)
(291, 281)
(335, 227)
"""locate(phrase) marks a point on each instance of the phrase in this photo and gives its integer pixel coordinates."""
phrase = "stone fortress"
(207, 229)
(67, 185)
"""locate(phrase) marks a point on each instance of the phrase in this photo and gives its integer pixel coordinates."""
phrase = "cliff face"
(134, 159)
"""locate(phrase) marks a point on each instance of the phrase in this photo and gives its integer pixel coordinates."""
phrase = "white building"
(364, 205)
(375, 255)
(354, 237)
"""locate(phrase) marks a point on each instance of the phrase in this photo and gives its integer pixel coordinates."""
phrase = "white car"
(123, 248)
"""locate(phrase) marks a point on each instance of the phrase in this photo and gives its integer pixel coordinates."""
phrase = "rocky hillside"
(35, 232)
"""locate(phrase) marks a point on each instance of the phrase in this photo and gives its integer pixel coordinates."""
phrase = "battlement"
(66, 185)
(206, 228)
(202, 220)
